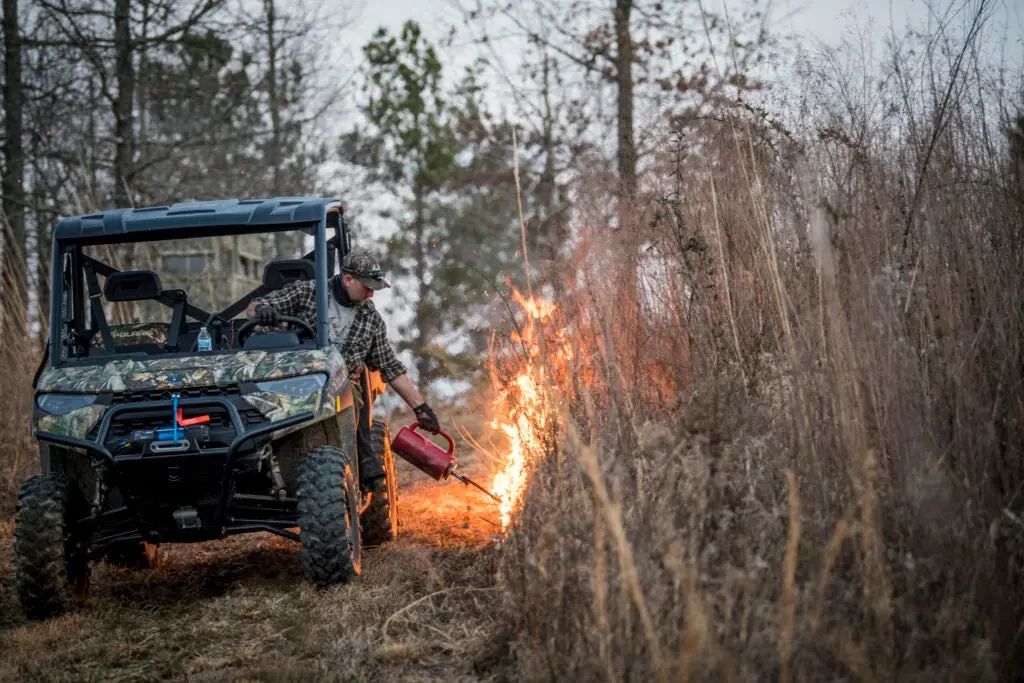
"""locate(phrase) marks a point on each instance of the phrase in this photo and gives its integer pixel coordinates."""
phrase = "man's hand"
(427, 418)
(267, 315)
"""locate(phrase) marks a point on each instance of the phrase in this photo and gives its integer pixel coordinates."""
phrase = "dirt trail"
(238, 610)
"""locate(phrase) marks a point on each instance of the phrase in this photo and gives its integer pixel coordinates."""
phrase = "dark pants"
(370, 465)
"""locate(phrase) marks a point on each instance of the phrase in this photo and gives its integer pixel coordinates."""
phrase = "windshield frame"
(69, 250)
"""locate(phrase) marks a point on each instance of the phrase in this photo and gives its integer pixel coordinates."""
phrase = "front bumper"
(155, 488)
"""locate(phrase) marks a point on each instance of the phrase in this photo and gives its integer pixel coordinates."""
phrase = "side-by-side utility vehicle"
(164, 415)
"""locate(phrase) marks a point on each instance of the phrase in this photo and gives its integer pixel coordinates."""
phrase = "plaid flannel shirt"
(367, 340)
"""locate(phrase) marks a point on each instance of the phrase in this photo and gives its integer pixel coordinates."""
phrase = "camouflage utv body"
(145, 439)
(211, 374)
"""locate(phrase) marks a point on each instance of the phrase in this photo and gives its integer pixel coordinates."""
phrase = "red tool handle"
(451, 444)
(198, 420)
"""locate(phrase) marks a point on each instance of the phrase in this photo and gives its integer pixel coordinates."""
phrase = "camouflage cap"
(365, 267)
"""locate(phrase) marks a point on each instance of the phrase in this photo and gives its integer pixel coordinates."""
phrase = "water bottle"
(204, 342)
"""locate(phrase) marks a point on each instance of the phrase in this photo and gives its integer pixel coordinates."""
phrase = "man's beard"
(341, 294)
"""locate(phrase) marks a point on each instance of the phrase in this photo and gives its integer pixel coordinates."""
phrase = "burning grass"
(524, 404)
(789, 435)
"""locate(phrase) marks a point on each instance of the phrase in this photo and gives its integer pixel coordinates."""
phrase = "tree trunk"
(546, 189)
(624, 80)
(551, 232)
(420, 318)
(123, 106)
(282, 241)
(15, 269)
(1016, 136)
(275, 108)
(142, 101)
(44, 234)
(94, 198)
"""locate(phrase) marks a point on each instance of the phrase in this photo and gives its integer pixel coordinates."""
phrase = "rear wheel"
(134, 555)
(328, 498)
(380, 520)
(50, 553)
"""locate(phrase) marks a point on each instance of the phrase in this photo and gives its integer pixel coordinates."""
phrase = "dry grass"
(18, 451)
(19, 357)
(791, 435)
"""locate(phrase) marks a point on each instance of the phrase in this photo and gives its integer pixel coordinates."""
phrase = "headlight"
(59, 404)
(296, 387)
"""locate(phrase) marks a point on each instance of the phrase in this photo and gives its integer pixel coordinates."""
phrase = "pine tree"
(453, 165)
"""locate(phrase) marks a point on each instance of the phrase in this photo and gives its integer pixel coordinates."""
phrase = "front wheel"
(50, 553)
(328, 499)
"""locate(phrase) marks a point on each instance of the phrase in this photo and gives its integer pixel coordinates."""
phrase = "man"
(359, 332)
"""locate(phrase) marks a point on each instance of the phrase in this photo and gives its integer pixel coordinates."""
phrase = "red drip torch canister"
(423, 453)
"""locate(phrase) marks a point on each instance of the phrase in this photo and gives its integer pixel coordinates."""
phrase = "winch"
(176, 438)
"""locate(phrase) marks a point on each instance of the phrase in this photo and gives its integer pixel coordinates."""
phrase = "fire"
(524, 441)
(537, 309)
(526, 407)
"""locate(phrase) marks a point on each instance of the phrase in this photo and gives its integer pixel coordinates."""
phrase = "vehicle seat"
(147, 337)
(277, 274)
(132, 285)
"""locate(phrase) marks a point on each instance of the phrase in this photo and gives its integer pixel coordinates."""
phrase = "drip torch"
(429, 458)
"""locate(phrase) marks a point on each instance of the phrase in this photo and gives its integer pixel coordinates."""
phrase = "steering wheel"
(247, 328)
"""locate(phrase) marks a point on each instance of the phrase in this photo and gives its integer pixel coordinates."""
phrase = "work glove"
(427, 418)
(267, 315)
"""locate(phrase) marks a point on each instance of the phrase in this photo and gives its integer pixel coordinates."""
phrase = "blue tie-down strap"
(174, 432)
(171, 439)
(174, 415)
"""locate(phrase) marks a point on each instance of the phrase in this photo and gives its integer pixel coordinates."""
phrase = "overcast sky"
(824, 20)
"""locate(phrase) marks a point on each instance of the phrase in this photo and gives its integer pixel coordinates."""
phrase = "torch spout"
(467, 480)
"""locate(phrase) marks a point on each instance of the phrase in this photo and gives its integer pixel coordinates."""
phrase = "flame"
(526, 406)
(524, 444)
(537, 309)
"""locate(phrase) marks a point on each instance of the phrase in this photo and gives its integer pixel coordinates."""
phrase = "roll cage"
(75, 287)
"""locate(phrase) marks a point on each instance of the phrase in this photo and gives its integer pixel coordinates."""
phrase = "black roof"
(122, 225)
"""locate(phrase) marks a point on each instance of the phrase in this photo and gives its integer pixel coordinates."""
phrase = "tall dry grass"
(19, 358)
(19, 454)
(790, 436)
